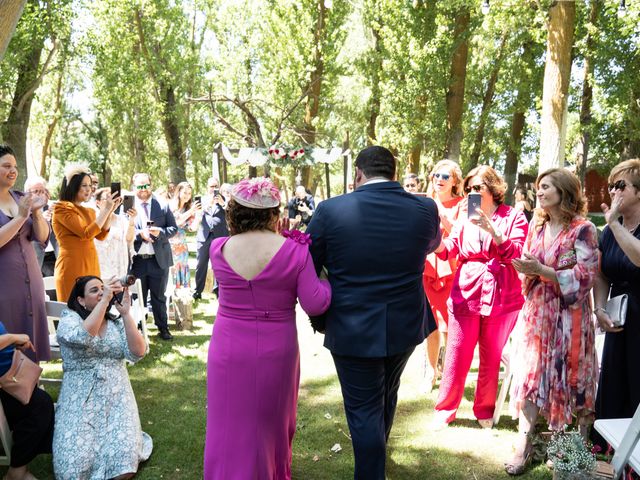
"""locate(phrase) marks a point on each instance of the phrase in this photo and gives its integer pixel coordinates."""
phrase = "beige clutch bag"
(616, 308)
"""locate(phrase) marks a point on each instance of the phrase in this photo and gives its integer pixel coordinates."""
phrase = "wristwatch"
(600, 308)
(497, 236)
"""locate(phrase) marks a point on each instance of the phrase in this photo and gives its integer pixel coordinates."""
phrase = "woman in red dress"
(445, 187)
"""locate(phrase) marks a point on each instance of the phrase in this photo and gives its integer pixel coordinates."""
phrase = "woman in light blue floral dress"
(97, 433)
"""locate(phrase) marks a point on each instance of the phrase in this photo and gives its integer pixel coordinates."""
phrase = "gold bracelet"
(599, 308)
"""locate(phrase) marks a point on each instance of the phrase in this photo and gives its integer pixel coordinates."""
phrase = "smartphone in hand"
(198, 199)
(115, 188)
(127, 203)
(474, 201)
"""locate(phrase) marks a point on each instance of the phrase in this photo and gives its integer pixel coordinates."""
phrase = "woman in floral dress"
(184, 210)
(97, 433)
(555, 365)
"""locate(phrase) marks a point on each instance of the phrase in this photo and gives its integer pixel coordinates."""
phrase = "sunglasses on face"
(619, 185)
(143, 187)
(476, 188)
(443, 176)
(410, 185)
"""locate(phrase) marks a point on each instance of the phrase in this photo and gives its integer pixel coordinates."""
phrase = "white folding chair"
(54, 312)
(5, 438)
(139, 311)
(49, 284)
(623, 435)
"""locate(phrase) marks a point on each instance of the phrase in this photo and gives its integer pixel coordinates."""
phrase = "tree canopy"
(155, 85)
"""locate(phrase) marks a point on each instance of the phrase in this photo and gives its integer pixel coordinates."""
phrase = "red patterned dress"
(555, 364)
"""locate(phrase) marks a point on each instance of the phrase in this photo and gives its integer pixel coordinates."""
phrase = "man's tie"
(145, 205)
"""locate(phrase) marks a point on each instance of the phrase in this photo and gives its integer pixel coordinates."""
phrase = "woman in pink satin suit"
(485, 298)
(253, 369)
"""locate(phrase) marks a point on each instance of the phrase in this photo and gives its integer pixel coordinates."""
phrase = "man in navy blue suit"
(154, 224)
(373, 243)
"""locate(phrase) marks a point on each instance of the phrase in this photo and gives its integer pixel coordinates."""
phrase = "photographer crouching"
(301, 208)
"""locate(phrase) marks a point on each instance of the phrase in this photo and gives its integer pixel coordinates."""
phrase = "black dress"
(619, 386)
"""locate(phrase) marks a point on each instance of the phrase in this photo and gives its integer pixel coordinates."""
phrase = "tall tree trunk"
(455, 93)
(587, 96)
(414, 157)
(312, 107)
(11, 12)
(14, 129)
(376, 70)
(631, 143)
(487, 102)
(518, 121)
(177, 167)
(557, 74)
(167, 98)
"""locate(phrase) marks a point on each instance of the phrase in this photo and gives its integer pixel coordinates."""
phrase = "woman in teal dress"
(97, 434)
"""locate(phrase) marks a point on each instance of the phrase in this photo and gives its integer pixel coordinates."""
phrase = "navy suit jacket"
(162, 217)
(373, 243)
(213, 223)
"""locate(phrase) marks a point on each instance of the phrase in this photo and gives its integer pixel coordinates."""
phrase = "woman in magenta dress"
(253, 370)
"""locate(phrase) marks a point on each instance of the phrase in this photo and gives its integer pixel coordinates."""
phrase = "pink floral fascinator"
(256, 193)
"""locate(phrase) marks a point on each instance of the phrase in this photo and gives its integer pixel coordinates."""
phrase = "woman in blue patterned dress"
(184, 210)
(97, 433)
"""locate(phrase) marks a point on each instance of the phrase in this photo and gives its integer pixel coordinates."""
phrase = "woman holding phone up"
(486, 294)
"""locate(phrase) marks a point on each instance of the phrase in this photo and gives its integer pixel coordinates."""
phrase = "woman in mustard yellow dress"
(75, 227)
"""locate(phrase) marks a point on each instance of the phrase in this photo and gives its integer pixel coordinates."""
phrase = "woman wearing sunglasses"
(486, 295)
(619, 386)
(445, 187)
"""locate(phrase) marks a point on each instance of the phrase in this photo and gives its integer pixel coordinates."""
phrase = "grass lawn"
(170, 389)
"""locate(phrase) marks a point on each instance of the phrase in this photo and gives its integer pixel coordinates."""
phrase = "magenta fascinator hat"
(256, 193)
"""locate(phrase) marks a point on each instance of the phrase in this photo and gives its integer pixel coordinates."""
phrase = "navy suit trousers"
(154, 279)
(370, 392)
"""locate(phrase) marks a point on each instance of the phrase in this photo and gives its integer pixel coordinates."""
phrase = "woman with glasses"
(411, 183)
(619, 386)
(555, 361)
(486, 295)
(76, 226)
(445, 187)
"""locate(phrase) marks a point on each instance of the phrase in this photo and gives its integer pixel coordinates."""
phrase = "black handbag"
(318, 323)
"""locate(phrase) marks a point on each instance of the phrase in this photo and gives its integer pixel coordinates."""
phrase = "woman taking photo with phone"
(76, 226)
(114, 251)
(555, 361)
(486, 294)
(185, 212)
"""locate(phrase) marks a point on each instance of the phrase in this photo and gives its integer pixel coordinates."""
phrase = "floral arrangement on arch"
(285, 155)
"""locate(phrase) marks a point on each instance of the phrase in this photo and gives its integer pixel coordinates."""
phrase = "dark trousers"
(202, 257)
(370, 393)
(154, 279)
(31, 426)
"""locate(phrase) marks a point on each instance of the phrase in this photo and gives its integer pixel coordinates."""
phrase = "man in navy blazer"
(373, 243)
(153, 258)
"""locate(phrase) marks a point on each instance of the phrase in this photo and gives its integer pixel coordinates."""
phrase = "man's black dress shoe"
(165, 334)
(197, 295)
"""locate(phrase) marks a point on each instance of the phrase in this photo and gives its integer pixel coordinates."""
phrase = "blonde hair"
(496, 185)
(628, 167)
(456, 173)
(572, 200)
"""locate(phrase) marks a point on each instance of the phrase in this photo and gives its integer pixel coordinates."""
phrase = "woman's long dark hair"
(78, 291)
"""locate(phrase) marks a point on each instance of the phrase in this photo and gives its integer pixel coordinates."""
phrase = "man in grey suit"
(373, 243)
(154, 225)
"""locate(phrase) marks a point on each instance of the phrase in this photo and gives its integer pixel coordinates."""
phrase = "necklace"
(631, 230)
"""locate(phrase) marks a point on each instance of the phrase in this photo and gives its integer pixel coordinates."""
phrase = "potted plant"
(572, 458)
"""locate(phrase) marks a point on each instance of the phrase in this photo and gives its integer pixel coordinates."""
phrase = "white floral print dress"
(97, 432)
